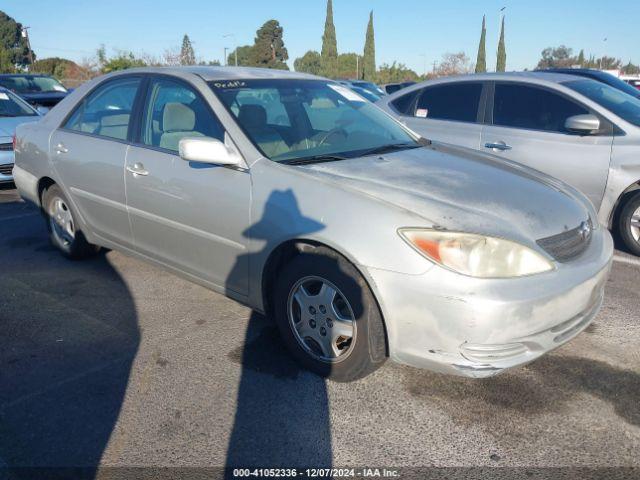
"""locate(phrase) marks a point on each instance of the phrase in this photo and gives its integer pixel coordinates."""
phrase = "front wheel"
(328, 317)
(63, 228)
(629, 224)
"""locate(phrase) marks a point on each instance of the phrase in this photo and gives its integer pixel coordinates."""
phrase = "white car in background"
(13, 112)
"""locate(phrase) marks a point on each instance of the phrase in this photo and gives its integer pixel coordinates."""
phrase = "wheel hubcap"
(635, 225)
(322, 319)
(61, 221)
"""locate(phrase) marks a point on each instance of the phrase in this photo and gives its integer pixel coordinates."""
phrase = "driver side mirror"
(583, 124)
(207, 150)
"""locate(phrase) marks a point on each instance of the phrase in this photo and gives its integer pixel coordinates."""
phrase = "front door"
(188, 215)
(528, 127)
(88, 153)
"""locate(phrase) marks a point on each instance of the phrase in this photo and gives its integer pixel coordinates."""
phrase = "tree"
(13, 43)
(310, 62)
(329, 51)
(631, 69)
(187, 55)
(244, 56)
(453, 64)
(268, 49)
(501, 64)
(6, 62)
(481, 61)
(369, 59)
(395, 73)
(559, 57)
(54, 66)
(580, 60)
(121, 61)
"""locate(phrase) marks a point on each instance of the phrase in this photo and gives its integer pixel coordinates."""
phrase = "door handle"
(137, 169)
(60, 148)
(498, 146)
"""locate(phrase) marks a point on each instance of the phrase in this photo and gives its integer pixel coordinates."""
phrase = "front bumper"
(6, 165)
(451, 323)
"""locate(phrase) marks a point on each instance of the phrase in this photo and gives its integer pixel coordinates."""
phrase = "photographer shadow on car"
(282, 415)
(70, 335)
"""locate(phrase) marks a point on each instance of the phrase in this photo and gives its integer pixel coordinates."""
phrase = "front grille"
(6, 147)
(6, 168)
(568, 245)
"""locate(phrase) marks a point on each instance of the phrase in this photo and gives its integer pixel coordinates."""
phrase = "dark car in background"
(38, 90)
(598, 75)
(390, 88)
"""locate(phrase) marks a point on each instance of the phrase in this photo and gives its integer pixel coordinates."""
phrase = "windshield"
(614, 100)
(27, 84)
(308, 119)
(12, 106)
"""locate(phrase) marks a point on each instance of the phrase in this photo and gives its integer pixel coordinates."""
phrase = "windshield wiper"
(392, 147)
(314, 159)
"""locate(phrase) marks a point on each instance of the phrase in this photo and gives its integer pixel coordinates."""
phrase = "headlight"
(476, 255)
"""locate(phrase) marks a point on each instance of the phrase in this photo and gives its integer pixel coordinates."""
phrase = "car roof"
(225, 73)
(23, 75)
(535, 77)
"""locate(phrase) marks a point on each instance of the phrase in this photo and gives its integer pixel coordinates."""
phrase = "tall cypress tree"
(501, 65)
(369, 59)
(581, 58)
(481, 62)
(329, 52)
(187, 55)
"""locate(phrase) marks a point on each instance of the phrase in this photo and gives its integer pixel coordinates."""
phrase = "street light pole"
(225, 56)
(235, 52)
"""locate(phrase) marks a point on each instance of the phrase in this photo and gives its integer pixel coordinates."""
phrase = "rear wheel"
(629, 224)
(63, 228)
(328, 316)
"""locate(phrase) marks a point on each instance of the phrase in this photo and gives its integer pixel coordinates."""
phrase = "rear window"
(455, 102)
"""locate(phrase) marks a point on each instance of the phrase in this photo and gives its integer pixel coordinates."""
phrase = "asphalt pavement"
(114, 362)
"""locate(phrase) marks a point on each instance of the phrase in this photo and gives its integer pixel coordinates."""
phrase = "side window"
(174, 111)
(107, 110)
(404, 103)
(520, 106)
(456, 102)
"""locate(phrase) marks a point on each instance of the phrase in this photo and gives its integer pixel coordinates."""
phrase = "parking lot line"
(627, 260)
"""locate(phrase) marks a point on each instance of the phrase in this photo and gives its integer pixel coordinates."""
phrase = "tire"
(316, 329)
(62, 226)
(629, 224)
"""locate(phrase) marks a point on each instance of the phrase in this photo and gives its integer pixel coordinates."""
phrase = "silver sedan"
(293, 195)
(13, 112)
(579, 130)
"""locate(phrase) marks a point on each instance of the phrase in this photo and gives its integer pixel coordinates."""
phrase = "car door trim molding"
(97, 198)
(185, 228)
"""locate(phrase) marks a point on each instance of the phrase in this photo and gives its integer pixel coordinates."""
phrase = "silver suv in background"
(579, 130)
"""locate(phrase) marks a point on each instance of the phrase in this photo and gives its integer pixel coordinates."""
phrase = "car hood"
(462, 190)
(8, 124)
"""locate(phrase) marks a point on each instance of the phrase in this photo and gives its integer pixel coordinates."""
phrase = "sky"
(414, 32)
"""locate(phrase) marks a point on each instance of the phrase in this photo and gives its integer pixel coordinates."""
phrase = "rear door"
(188, 215)
(527, 126)
(88, 153)
(449, 113)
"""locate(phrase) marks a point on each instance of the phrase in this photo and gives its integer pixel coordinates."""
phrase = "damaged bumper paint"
(474, 327)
